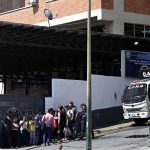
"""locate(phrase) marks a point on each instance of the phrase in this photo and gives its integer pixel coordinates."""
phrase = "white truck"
(136, 101)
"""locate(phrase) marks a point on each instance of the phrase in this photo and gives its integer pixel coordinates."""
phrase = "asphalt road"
(130, 138)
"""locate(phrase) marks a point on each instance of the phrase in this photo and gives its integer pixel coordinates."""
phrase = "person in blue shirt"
(38, 131)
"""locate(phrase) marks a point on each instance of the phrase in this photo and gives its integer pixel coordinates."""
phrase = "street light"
(89, 114)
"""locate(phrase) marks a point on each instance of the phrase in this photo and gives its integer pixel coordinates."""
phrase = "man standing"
(48, 121)
(38, 133)
(71, 122)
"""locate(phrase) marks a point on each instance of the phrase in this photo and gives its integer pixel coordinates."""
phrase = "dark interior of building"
(30, 56)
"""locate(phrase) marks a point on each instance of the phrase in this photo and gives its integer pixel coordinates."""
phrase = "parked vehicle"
(136, 101)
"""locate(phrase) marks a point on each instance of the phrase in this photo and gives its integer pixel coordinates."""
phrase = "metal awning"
(24, 47)
(51, 37)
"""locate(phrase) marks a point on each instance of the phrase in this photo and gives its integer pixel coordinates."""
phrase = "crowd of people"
(65, 123)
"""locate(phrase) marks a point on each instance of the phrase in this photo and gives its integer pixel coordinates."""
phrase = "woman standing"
(23, 132)
(15, 133)
(31, 130)
(55, 126)
(61, 121)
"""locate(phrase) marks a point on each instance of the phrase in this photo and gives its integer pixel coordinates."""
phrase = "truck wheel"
(140, 121)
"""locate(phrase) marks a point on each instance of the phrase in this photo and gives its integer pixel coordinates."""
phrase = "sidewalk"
(97, 132)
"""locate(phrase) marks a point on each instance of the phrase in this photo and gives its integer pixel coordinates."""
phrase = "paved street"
(131, 138)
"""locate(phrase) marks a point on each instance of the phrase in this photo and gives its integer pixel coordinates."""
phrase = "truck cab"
(136, 101)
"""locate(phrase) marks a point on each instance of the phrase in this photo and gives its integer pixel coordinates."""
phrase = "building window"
(137, 30)
(147, 31)
(129, 29)
(7, 5)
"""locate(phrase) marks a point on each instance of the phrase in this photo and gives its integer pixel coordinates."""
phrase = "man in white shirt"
(71, 123)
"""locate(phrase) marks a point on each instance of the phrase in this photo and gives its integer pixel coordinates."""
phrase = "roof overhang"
(24, 46)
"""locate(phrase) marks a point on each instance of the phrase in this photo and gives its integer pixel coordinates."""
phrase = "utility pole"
(89, 114)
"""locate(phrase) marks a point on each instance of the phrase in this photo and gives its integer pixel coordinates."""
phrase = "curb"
(101, 131)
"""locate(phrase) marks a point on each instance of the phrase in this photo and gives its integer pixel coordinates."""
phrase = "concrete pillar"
(118, 23)
(118, 27)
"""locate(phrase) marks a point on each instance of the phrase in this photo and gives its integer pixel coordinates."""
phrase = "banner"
(134, 62)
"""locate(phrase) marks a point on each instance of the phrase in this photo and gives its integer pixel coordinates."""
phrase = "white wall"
(103, 91)
(64, 91)
(49, 102)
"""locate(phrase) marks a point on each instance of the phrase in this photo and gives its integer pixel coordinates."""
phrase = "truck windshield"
(134, 93)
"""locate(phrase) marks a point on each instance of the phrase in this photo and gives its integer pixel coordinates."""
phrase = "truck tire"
(140, 121)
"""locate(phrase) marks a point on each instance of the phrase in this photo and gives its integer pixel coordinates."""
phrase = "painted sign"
(135, 62)
(12, 104)
(144, 74)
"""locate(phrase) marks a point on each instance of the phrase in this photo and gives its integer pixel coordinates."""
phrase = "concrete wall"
(106, 97)
(64, 91)
(106, 91)
(49, 102)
